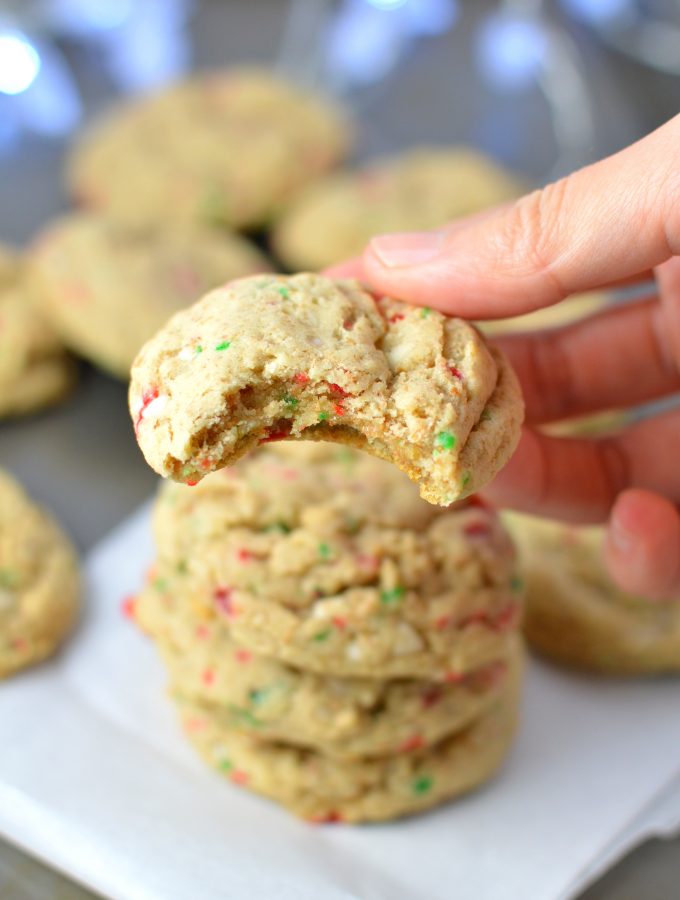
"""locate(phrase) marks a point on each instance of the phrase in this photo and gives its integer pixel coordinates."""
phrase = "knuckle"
(534, 232)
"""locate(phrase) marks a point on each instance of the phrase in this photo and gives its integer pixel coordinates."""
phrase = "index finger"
(605, 223)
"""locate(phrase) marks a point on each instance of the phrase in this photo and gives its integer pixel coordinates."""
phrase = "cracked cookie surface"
(305, 357)
(322, 788)
(327, 559)
(342, 717)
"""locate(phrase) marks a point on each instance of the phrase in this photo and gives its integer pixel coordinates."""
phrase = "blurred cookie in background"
(39, 581)
(35, 369)
(107, 287)
(577, 616)
(225, 147)
(423, 188)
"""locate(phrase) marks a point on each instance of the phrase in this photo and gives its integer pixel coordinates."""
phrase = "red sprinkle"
(397, 317)
(243, 656)
(336, 389)
(301, 378)
(339, 409)
(238, 776)
(279, 433)
(368, 561)
(148, 397)
(208, 677)
(454, 677)
(330, 818)
(506, 618)
(224, 600)
(431, 696)
(244, 555)
(205, 463)
(127, 607)
(348, 324)
(194, 724)
(339, 622)
(443, 622)
(191, 483)
(415, 742)
(455, 372)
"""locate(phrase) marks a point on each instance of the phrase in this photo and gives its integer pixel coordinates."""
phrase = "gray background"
(81, 459)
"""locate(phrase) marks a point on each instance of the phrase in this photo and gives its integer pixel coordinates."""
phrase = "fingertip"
(642, 545)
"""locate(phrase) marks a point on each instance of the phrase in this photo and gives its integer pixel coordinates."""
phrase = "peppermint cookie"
(345, 718)
(39, 582)
(325, 789)
(327, 559)
(107, 288)
(35, 370)
(305, 357)
(578, 617)
(425, 188)
(229, 148)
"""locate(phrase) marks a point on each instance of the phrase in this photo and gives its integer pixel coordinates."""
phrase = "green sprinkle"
(465, 479)
(283, 527)
(290, 401)
(245, 716)
(445, 440)
(324, 416)
(284, 291)
(322, 636)
(198, 349)
(258, 695)
(160, 584)
(223, 345)
(423, 784)
(516, 583)
(8, 578)
(226, 765)
(425, 312)
(324, 550)
(395, 595)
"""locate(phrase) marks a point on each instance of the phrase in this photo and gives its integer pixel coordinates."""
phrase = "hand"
(613, 223)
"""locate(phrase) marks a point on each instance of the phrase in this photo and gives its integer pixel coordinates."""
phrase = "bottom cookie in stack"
(577, 616)
(360, 660)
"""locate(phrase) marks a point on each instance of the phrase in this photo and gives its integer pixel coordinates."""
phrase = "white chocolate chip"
(408, 640)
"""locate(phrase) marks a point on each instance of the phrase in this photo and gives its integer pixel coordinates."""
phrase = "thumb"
(606, 223)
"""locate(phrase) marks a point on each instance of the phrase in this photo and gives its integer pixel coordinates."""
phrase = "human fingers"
(610, 221)
(642, 545)
(579, 479)
(619, 357)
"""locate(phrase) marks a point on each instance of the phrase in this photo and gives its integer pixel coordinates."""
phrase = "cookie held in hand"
(309, 358)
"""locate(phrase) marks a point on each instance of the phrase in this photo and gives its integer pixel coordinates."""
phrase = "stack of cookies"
(333, 641)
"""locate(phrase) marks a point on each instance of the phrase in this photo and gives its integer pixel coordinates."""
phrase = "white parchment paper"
(96, 778)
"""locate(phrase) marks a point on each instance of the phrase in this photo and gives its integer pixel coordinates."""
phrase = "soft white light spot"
(19, 63)
(186, 353)
(511, 51)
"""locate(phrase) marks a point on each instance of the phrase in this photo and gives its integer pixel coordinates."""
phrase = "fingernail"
(407, 249)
